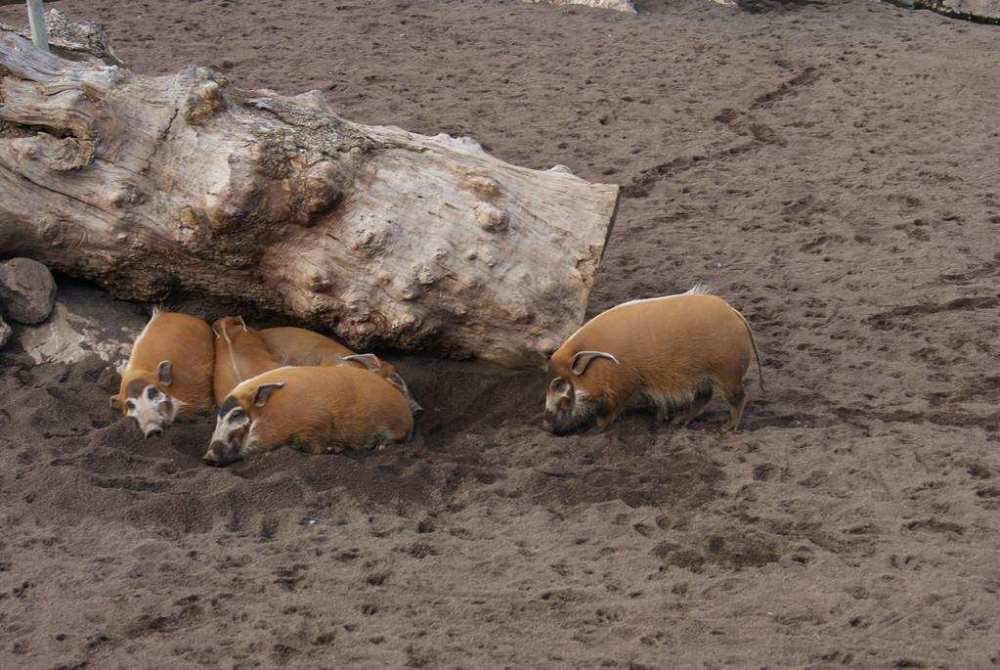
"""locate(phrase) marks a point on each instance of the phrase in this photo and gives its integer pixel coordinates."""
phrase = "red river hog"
(169, 372)
(315, 409)
(671, 352)
(298, 346)
(240, 354)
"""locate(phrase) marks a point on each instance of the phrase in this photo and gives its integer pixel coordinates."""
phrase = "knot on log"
(60, 107)
(320, 282)
(485, 186)
(370, 242)
(205, 101)
(58, 155)
(126, 195)
(491, 219)
(316, 192)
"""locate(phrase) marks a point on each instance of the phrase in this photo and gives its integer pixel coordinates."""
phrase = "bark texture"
(978, 11)
(616, 5)
(185, 184)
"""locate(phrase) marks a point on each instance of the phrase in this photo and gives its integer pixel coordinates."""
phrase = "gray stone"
(5, 333)
(27, 290)
(86, 322)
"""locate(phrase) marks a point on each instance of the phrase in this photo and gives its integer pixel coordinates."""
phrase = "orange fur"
(240, 354)
(186, 342)
(319, 409)
(298, 346)
(674, 351)
(301, 347)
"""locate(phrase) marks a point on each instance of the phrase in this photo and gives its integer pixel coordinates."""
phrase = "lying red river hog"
(240, 354)
(670, 352)
(169, 372)
(299, 346)
(316, 409)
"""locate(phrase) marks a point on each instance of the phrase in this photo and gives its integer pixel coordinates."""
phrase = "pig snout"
(549, 421)
(219, 454)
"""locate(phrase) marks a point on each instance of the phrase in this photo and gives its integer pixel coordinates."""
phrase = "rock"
(27, 290)
(86, 321)
(617, 5)
(5, 333)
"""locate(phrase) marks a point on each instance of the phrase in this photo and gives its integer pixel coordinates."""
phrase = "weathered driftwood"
(979, 11)
(616, 5)
(184, 184)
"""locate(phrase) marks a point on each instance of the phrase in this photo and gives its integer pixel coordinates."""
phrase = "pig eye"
(235, 414)
(130, 405)
(151, 393)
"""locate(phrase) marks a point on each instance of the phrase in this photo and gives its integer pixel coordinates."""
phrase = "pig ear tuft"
(584, 358)
(242, 323)
(398, 382)
(370, 361)
(165, 373)
(264, 391)
(400, 385)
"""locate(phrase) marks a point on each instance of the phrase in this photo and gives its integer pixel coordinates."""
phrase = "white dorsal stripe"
(697, 289)
(156, 312)
(232, 356)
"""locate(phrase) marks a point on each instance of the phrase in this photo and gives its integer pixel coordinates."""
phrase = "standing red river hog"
(671, 352)
(240, 354)
(298, 346)
(169, 372)
(316, 409)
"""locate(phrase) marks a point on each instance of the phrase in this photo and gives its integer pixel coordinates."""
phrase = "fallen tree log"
(977, 11)
(616, 5)
(185, 184)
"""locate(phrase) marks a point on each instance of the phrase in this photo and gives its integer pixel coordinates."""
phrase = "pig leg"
(736, 398)
(318, 448)
(702, 397)
(606, 418)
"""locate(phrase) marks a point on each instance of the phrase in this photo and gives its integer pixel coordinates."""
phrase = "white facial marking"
(559, 389)
(152, 410)
(234, 419)
(251, 439)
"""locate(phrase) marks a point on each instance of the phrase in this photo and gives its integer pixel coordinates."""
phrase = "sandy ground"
(832, 169)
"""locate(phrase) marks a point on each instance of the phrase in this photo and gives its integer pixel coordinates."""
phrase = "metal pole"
(36, 17)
